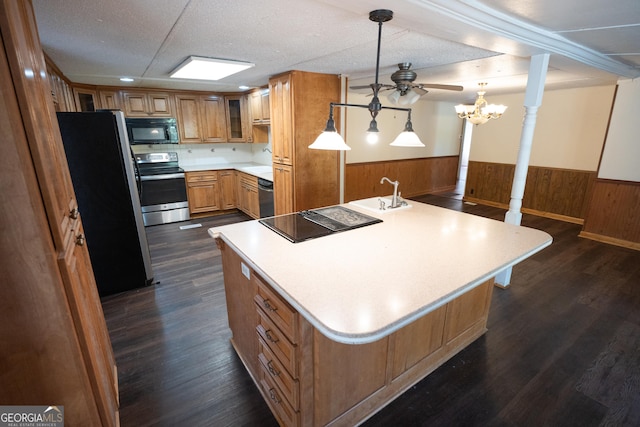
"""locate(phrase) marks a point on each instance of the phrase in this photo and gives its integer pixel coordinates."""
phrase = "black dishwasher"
(265, 195)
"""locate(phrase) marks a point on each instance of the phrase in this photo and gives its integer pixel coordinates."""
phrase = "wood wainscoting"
(612, 216)
(416, 177)
(551, 192)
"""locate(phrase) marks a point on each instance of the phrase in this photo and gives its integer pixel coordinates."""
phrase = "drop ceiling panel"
(563, 15)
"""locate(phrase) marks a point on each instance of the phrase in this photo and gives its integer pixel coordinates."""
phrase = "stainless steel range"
(163, 192)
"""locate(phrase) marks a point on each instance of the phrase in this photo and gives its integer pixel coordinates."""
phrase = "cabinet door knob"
(80, 240)
(73, 214)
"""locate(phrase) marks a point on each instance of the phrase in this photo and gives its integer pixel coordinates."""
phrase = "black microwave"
(152, 131)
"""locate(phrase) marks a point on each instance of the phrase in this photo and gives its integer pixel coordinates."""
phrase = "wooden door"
(283, 197)
(202, 191)
(159, 104)
(110, 99)
(237, 119)
(189, 128)
(86, 99)
(227, 189)
(281, 119)
(135, 104)
(213, 119)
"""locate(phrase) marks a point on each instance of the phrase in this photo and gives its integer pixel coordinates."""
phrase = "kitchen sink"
(373, 204)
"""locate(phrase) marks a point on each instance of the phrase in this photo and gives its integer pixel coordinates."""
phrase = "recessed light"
(200, 68)
(126, 79)
(243, 87)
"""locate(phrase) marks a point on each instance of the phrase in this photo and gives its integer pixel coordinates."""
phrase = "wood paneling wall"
(416, 177)
(613, 211)
(556, 193)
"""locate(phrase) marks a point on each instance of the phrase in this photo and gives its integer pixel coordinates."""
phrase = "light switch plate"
(245, 270)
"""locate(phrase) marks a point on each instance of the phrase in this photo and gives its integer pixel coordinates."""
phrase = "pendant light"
(330, 139)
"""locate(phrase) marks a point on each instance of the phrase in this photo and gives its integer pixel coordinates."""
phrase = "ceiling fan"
(405, 91)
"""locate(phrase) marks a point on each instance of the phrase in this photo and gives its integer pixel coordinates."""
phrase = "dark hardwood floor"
(563, 346)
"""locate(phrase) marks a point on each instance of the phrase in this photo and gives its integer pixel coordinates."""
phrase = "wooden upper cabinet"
(259, 105)
(147, 104)
(110, 99)
(213, 119)
(237, 119)
(201, 118)
(86, 99)
(281, 119)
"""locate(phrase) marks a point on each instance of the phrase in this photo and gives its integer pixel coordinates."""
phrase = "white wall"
(621, 156)
(570, 129)
(435, 123)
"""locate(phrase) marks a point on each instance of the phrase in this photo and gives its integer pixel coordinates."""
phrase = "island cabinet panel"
(308, 379)
(241, 310)
(419, 340)
(345, 375)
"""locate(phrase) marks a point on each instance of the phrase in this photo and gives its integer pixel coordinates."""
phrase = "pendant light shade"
(330, 140)
(407, 137)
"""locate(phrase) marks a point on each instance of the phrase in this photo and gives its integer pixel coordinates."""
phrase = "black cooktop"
(305, 225)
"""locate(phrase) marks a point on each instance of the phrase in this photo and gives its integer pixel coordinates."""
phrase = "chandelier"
(481, 111)
(330, 139)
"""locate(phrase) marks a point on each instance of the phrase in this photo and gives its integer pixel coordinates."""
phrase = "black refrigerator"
(104, 179)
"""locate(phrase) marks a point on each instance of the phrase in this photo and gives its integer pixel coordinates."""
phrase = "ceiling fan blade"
(437, 86)
(420, 91)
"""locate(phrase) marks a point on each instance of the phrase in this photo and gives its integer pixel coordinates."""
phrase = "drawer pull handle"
(73, 214)
(80, 240)
(274, 396)
(272, 369)
(271, 337)
(268, 305)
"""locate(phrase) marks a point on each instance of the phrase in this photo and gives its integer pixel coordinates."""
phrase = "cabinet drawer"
(248, 180)
(287, 385)
(202, 176)
(278, 343)
(278, 310)
(279, 406)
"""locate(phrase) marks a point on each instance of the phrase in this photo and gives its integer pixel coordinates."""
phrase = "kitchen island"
(334, 328)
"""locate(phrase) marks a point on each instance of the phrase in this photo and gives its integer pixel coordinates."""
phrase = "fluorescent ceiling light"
(200, 68)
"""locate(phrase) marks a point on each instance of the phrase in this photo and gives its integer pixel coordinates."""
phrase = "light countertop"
(256, 169)
(360, 285)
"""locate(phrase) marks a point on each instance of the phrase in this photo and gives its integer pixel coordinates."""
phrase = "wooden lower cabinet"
(210, 191)
(283, 195)
(308, 379)
(248, 198)
(202, 191)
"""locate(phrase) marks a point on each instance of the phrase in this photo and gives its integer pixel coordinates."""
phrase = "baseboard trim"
(610, 240)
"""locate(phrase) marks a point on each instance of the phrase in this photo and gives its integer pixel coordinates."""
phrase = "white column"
(532, 100)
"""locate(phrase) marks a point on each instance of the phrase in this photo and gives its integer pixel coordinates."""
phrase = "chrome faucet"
(394, 201)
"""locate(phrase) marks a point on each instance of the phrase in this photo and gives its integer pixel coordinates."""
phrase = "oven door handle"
(163, 176)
